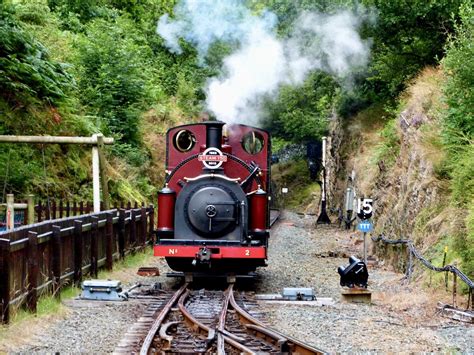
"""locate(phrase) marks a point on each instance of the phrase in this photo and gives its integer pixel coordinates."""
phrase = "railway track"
(203, 321)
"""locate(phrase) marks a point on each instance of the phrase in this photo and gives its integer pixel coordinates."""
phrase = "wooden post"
(81, 208)
(4, 280)
(133, 229)
(47, 214)
(61, 208)
(143, 230)
(95, 176)
(39, 211)
(33, 271)
(56, 256)
(151, 224)
(31, 208)
(109, 241)
(121, 233)
(78, 249)
(54, 209)
(10, 212)
(68, 209)
(455, 286)
(102, 172)
(94, 246)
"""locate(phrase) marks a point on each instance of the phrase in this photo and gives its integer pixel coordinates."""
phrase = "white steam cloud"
(263, 61)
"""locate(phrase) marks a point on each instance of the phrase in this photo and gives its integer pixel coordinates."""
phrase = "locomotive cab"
(213, 210)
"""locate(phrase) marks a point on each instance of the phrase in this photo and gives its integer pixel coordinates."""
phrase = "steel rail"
(202, 328)
(157, 323)
(287, 344)
(222, 318)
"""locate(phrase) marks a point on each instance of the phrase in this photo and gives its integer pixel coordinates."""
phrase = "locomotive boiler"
(213, 212)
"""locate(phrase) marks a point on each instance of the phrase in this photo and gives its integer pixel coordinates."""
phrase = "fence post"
(151, 224)
(94, 246)
(10, 212)
(455, 276)
(33, 271)
(31, 208)
(39, 211)
(4, 280)
(144, 226)
(121, 232)
(56, 261)
(133, 229)
(61, 208)
(78, 248)
(54, 210)
(109, 241)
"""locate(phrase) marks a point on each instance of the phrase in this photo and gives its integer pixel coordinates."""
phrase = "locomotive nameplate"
(212, 158)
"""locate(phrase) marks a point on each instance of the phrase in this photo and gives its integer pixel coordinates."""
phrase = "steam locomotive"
(213, 212)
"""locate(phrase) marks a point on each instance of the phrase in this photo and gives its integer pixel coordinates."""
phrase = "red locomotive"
(213, 213)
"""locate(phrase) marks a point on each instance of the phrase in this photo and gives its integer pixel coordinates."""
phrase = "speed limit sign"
(365, 208)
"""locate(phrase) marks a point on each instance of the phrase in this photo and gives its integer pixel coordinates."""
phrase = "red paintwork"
(181, 251)
(258, 211)
(231, 145)
(166, 202)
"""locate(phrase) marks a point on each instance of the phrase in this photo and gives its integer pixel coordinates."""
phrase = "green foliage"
(26, 73)
(387, 151)
(112, 67)
(407, 36)
(301, 113)
(459, 88)
(458, 127)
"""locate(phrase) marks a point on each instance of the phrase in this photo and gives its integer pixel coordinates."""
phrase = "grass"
(24, 324)
(302, 191)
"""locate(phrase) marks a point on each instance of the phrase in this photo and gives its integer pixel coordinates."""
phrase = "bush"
(27, 75)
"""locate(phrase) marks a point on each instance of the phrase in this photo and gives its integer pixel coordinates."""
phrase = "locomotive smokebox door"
(211, 210)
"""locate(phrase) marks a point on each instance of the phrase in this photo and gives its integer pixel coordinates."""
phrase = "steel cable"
(448, 268)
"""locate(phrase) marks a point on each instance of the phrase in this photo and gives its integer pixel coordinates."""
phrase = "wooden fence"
(45, 256)
(53, 209)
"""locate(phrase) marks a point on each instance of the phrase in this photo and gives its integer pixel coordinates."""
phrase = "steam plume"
(263, 61)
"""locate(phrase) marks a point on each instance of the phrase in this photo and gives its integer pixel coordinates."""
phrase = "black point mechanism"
(355, 274)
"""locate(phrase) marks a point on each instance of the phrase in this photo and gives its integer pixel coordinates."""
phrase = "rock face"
(397, 166)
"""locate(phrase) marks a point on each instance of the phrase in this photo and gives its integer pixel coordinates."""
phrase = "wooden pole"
(4, 281)
(78, 248)
(94, 246)
(95, 177)
(56, 261)
(10, 212)
(109, 241)
(102, 172)
(53, 140)
(33, 271)
(31, 208)
(121, 233)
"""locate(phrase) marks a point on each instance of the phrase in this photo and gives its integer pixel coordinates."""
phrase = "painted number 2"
(247, 252)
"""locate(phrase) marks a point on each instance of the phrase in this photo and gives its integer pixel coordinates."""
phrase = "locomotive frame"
(213, 213)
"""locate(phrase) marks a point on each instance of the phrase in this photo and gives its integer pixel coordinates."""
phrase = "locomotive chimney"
(214, 134)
